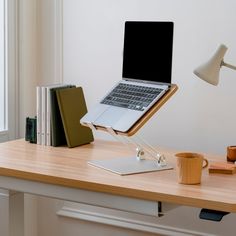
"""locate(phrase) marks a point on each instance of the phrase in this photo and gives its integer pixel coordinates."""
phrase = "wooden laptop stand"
(139, 163)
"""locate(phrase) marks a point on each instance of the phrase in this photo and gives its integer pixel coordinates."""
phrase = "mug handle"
(206, 163)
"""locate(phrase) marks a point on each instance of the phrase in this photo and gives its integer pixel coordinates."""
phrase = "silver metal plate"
(128, 166)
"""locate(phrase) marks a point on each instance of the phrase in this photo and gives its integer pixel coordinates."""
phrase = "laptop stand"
(138, 163)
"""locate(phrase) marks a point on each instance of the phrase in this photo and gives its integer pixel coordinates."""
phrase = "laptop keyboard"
(131, 96)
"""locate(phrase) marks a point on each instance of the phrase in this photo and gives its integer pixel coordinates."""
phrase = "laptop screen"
(148, 51)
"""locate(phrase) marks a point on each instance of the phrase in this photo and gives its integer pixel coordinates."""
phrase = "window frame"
(3, 64)
(11, 71)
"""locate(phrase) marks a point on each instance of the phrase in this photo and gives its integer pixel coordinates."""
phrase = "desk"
(63, 173)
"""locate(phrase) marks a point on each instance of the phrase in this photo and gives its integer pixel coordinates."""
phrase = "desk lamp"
(211, 69)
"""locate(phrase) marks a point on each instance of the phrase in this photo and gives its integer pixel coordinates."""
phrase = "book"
(43, 115)
(222, 168)
(31, 130)
(48, 111)
(72, 108)
(58, 137)
(38, 113)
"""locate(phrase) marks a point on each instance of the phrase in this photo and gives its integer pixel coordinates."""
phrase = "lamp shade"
(211, 69)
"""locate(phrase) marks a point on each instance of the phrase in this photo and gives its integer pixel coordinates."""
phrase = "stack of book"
(59, 110)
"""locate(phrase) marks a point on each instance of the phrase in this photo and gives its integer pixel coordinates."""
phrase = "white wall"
(28, 58)
(39, 52)
(199, 117)
(49, 41)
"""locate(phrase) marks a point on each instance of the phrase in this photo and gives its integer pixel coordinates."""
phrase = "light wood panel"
(69, 167)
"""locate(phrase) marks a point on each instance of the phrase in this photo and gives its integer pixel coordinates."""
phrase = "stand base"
(128, 166)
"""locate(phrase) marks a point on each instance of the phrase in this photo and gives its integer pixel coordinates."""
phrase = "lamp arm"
(228, 65)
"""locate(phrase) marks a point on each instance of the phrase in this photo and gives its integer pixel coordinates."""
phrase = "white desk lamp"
(211, 69)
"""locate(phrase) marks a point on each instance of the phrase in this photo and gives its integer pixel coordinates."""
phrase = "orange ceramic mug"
(231, 153)
(189, 167)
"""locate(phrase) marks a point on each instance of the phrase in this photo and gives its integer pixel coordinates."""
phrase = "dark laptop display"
(148, 51)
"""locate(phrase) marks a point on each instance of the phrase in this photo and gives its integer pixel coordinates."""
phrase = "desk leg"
(4, 212)
(16, 214)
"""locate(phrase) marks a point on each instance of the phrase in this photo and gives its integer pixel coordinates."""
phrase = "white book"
(43, 115)
(38, 113)
(48, 118)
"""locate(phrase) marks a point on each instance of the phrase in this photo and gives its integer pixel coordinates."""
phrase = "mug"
(231, 153)
(189, 167)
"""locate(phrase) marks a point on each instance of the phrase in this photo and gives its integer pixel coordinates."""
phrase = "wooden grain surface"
(69, 167)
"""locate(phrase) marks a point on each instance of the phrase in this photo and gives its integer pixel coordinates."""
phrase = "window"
(8, 69)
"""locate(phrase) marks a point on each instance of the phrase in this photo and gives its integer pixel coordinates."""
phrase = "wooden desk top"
(69, 167)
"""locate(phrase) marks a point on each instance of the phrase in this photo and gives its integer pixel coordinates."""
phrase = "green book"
(58, 137)
(72, 108)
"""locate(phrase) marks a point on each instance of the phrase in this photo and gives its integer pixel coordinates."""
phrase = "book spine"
(38, 112)
(43, 113)
(48, 117)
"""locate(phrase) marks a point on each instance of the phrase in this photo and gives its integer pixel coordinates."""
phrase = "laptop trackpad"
(110, 116)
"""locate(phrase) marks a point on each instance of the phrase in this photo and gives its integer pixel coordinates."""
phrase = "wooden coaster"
(222, 168)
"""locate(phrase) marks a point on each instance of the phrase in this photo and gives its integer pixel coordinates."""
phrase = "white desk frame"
(17, 188)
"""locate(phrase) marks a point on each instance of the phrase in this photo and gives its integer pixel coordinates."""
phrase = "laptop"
(146, 76)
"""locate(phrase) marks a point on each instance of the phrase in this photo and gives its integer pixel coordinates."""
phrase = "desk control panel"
(213, 215)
